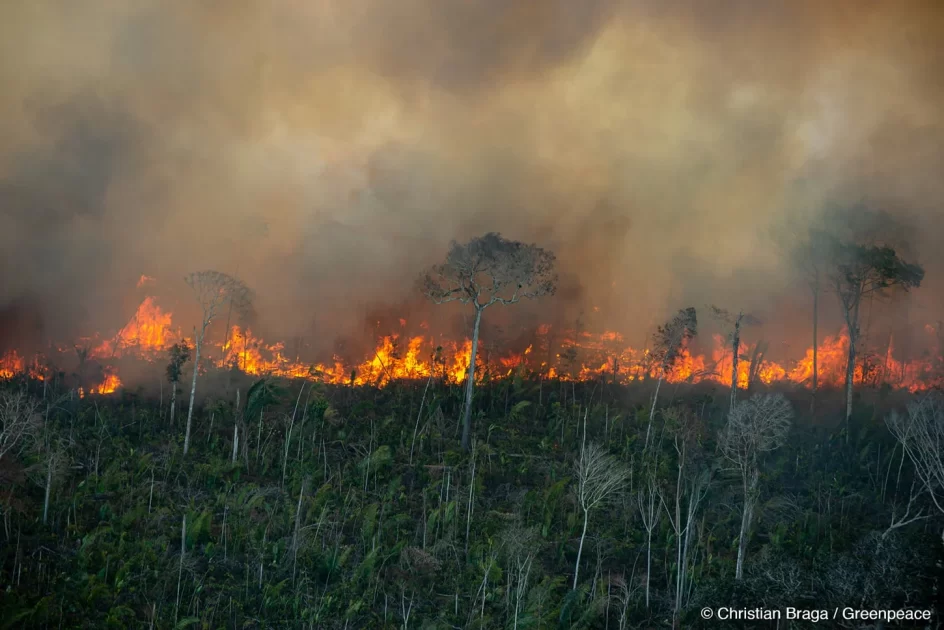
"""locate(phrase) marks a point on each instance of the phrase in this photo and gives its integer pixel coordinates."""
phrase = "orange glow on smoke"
(554, 354)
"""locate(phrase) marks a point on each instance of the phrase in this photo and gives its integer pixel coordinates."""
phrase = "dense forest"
(302, 505)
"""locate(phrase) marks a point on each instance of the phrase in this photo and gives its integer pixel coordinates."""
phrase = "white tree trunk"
(655, 400)
(648, 563)
(583, 534)
(173, 402)
(236, 429)
(235, 441)
(470, 383)
(49, 465)
(193, 387)
(747, 516)
(180, 570)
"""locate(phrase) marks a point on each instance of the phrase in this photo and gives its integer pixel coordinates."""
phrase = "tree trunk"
(470, 383)
(850, 377)
(648, 563)
(193, 387)
(583, 534)
(736, 347)
(235, 441)
(180, 570)
(747, 515)
(49, 465)
(298, 522)
(815, 344)
(852, 319)
(173, 402)
(655, 400)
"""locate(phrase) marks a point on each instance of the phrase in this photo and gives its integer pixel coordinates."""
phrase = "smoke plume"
(326, 151)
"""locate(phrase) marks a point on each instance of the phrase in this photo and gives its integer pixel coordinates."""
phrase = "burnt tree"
(488, 270)
(811, 257)
(178, 354)
(734, 337)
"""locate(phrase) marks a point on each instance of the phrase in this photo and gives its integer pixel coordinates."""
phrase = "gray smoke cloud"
(326, 151)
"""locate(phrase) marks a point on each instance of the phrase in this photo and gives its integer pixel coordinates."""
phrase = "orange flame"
(582, 356)
(108, 386)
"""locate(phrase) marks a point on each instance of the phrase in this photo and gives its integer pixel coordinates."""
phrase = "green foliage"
(355, 534)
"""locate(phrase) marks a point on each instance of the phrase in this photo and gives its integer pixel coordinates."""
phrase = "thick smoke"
(326, 151)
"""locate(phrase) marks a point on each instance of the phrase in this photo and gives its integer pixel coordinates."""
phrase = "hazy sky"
(327, 150)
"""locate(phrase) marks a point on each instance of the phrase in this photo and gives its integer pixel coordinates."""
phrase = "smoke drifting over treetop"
(327, 151)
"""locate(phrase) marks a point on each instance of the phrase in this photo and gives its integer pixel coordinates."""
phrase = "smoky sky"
(327, 150)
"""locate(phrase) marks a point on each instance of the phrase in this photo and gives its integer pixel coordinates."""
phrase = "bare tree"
(520, 549)
(53, 462)
(649, 512)
(599, 477)
(811, 257)
(921, 433)
(864, 271)
(667, 346)
(691, 485)
(734, 337)
(755, 426)
(178, 354)
(19, 420)
(624, 595)
(807, 250)
(488, 270)
(214, 291)
(648, 501)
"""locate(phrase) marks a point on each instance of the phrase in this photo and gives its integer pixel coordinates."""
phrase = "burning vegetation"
(565, 354)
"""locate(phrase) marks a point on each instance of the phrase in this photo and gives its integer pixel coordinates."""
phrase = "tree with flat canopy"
(488, 270)
(214, 291)
(862, 271)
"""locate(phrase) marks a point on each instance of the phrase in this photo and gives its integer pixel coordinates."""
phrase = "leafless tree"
(53, 458)
(650, 513)
(921, 433)
(807, 250)
(624, 595)
(755, 426)
(178, 354)
(520, 549)
(811, 256)
(734, 337)
(691, 485)
(599, 477)
(488, 270)
(19, 421)
(667, 346)
(858, 272)
(214, 291)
